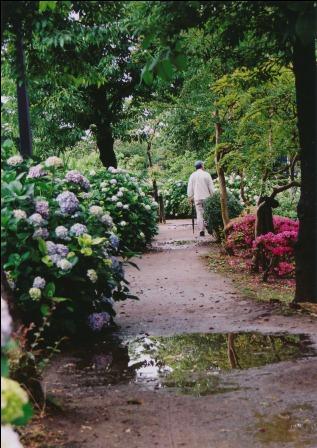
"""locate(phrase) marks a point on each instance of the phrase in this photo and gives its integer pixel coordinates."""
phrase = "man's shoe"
(202, 233)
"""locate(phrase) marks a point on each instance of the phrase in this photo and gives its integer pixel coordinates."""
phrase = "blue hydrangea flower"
(114, 241)
(117, 267)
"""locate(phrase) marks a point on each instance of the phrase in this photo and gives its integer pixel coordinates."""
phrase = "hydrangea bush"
(129, 207)
(278, 247)
(176, 201)
(60, 246)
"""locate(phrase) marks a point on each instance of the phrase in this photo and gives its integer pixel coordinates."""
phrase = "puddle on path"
(160, 246)
(190, 364)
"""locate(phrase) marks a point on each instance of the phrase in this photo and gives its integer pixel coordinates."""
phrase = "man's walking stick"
(193, 214)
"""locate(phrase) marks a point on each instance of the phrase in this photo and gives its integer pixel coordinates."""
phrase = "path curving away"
(273, 405)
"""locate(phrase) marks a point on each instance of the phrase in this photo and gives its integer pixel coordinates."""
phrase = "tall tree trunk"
(105, 142)
(304, 66)
(22, 97)
(222, 180)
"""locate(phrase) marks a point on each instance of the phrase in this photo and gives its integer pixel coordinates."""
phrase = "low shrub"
(212, 212)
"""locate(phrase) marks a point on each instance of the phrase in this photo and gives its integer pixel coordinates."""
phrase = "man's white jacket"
(200, 185)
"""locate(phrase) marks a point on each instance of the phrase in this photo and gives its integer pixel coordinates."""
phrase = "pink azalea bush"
(278, 246)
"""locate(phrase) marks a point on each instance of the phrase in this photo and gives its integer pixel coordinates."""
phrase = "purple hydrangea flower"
(68, 202)
(98, 321)
(78, 229)
(41, 232)
(61, 250)
(42, 207)
(51, 247)
(77, 178)
(36, 171)
(39, 282)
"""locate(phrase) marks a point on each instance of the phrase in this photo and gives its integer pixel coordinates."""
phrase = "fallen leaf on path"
(135, 401)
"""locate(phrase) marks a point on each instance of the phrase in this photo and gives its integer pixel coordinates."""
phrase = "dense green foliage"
(212, 212)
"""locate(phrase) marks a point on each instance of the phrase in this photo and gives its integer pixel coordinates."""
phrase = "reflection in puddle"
(296, 425)
(192, 363)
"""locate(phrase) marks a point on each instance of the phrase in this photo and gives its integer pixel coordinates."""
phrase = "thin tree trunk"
(304, 66)
(222, 180)
(155, 189)
(25, 142)
(105, 142)
(242, 190)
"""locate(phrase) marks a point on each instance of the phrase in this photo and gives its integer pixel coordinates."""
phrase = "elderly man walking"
(200, 187)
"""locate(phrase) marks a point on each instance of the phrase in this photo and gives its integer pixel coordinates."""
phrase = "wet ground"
(193, 364)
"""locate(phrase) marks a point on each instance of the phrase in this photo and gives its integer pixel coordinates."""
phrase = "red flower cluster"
(280, 245)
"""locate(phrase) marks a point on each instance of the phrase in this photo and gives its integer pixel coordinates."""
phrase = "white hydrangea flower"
(92, 275)
(122, 189)
(142, 235)
(96, 210)
(35, 293)
(19, 214)
(123, 224)
(119, 194)
(111, 169)
(119, 204)
(104, 184)
(114, 199)
(154, 204)
(142, 193)
(14, 160)
(92, 172)
(126, 206)
(53, 161)
(147, 207)
(9, 438)
(113, 181)
(64, 264)
(6, 323)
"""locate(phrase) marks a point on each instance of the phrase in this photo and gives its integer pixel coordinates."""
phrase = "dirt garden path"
(114, 394)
